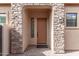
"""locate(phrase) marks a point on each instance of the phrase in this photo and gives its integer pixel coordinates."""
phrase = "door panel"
(41, 31)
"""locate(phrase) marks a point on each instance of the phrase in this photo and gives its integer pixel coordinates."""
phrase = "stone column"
(58, 27)
(16, 30)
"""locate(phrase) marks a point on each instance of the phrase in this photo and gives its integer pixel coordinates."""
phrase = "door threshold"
(42, 46)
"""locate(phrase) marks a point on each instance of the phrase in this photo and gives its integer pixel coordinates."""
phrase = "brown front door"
(41, 30)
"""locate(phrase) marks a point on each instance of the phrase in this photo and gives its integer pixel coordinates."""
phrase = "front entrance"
(37, 27)
(41, 31)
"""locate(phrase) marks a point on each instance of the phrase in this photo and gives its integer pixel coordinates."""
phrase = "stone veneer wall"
(58, 28)
(16, 31)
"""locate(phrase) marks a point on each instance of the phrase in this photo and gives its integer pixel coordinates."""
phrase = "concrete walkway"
(33, 51)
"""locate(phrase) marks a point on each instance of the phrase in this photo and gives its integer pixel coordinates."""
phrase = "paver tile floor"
(33, 51)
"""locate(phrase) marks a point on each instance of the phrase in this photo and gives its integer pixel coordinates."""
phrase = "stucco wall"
(5, 40)
(72, 33)
(50, 30)
(26, 29)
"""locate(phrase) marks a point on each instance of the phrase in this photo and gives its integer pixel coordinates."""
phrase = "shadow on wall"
(71, 51)
(15, 41)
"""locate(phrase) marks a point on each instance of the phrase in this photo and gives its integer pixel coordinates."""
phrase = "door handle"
(37, 34)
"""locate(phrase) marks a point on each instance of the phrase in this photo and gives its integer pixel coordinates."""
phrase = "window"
(32, 27)
(71, 19)
(2, 19)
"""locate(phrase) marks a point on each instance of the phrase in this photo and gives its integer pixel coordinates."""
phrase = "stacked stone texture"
(16, 31)
(58, 28)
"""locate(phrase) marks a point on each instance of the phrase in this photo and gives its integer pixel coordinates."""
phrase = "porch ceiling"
(36, 10)
(39, 12)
